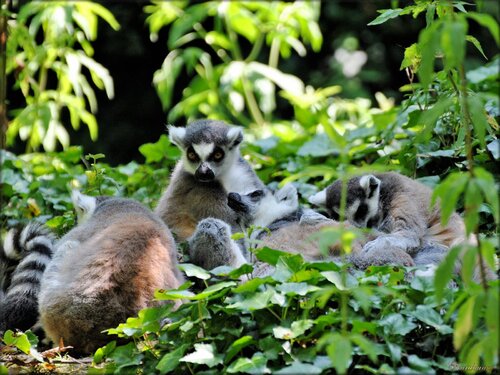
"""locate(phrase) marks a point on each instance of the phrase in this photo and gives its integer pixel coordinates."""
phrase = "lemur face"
(362, 203)
(262, 207)
(209, 148)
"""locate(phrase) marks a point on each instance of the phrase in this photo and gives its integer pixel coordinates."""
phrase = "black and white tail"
(25, 255)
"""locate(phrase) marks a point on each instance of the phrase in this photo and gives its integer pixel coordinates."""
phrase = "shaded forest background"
(135, 115)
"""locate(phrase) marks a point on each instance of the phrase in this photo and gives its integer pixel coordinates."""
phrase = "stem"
(3, 73)
(466, 123)
(274, 54)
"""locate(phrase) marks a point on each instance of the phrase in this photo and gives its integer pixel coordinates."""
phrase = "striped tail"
(31, 248)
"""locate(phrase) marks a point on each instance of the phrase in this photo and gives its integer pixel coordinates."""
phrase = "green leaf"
(453, 42)
(237, 346)
(428, 44)
(194, 271)
(464, 322)
(448, 193)
(298, 367)
(386, 15)
(19, 340)
(411, 58)
(432, 318)
(487, 21)
(171, 360)
(296, 329)
(478, 117)
(162, 149)
(472, 203)
(368, 347)
(429, 117)
(339, 351)
(486, 183)
(204, 354)
(476, 44)
(444, 272)
(255, 365)
(396, 324)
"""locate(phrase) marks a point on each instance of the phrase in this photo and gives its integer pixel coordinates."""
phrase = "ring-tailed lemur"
(23, 260)
(290, 229)
(400, 208)
(105, 270)
(210, 167)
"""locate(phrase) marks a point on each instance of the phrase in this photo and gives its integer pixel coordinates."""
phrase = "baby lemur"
(210, 167)
(290, 229)
(400, 208)
(105, 270)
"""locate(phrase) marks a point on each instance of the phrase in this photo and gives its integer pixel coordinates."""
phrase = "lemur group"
(109, 265)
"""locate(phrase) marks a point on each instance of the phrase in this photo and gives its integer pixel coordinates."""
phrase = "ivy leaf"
(432, 318)
(171, 360)
(396, 324)
(255, 365)
(237, 346)
(204, 354)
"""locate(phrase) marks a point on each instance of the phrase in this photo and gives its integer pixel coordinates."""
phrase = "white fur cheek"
(318, 199)
(187, 165)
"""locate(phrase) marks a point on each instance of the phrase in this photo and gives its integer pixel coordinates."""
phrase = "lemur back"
(23, 260)
(210, 167)
(105, 270)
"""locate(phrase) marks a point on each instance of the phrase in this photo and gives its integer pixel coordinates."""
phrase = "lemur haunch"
(105, 270)
(400, 208)
(23, 260)
(290, 230)
(210, 167)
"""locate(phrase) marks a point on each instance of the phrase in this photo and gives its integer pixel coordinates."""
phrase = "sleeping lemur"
(400, 208)
(290, 228)
(23, 259)
(105, 270)
(210, 167)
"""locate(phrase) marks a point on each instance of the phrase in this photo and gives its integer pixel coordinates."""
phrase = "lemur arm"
(405, 226)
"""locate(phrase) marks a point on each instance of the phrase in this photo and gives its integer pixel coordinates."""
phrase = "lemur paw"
(382, 243)
(311, 217)
(211, 245)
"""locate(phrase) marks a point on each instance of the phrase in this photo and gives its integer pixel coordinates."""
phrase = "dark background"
(135, 115)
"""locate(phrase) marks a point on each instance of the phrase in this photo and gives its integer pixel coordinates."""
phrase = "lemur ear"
(318, 199)
(287, 193)
(234, 136)
(370, 184)
(84, 205)
(176, 135)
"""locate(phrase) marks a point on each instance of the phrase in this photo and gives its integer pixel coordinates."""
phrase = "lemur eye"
(256, 194)
(218, 154)
(191, 155)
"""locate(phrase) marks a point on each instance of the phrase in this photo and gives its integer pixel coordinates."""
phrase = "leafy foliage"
(51, 73)
(306, 317)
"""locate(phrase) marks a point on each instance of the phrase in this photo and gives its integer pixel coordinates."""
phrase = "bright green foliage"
(307, 317)
(294, 324)
(65, 53)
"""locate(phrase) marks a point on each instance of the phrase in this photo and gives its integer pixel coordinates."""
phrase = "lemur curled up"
(400, 208)
(210, 167)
